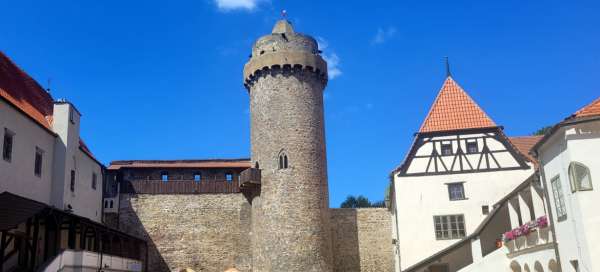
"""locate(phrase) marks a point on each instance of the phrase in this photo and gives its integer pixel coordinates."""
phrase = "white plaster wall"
(18, 175)
(84, 200)
(420, 198)
(577, 236)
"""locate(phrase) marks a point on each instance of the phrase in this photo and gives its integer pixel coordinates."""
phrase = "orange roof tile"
(591, 109)
(524, 144)
(215, 163)
(454, 109)
(22, 91)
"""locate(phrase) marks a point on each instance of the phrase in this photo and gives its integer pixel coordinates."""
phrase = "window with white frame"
(559, 198)
(472, 146)
(446, 148)
(449, 226)
(456, 191)
(580, 177)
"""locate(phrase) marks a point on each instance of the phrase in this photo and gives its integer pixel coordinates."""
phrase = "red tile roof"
(454, 109)
(214, 163)
(24, 93)
(524, 144)
(591, 109)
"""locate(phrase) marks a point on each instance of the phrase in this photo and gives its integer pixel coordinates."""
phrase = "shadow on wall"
(344, 236)
(130, 223)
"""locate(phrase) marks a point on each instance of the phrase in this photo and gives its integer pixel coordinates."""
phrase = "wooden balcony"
(180, 186)
(250, 178)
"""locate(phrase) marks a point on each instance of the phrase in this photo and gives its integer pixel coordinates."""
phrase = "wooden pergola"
(37, 232)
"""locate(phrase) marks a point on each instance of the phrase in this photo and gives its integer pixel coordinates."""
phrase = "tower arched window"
(580, 178)
(283, 160)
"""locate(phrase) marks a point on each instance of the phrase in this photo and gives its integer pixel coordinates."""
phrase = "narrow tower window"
(7, 145)
(283, 160)
(37, 167)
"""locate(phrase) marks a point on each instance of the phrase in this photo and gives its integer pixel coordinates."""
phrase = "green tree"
(350, 202)
(542, 131)
(360, 201)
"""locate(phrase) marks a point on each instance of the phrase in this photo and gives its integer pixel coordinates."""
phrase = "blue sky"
(163, 79)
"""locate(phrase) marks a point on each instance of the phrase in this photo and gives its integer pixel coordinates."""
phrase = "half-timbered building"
(459, 165)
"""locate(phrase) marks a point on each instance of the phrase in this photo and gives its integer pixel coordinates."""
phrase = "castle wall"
(205, 232)
(362, 240)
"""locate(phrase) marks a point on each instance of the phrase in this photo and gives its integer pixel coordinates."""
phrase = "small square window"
(7, 145)
(472, 146)
(447, 149)
(456, 191)
(37, 169)
(485, 209)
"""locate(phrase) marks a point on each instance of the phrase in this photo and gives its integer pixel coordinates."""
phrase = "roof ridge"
(454, 109)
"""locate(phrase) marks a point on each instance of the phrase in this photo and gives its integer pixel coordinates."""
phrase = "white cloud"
(383, 34)
(332, 65)
(332, 59)
(227, 5)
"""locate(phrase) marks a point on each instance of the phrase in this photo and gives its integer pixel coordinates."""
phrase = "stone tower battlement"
(284, 50)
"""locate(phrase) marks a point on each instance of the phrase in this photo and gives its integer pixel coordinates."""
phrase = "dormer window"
(283, 160)
(472, 147)
(446, 148)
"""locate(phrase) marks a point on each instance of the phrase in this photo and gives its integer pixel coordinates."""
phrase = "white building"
(569, 156)
(43, 157)
(460, 164)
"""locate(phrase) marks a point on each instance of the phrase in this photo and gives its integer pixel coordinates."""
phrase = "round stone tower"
(285, 78)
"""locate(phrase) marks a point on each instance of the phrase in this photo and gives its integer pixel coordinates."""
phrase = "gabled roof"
(23, 92)
(591, 109)
(590, 112)
(454, 109)
(210, 163)
(524, 144)
(27, 96)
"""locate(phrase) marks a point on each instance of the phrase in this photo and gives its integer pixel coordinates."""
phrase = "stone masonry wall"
(210, 232)
(205, 232)
(362, 240)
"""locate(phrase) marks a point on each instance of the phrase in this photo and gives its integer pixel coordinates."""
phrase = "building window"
(37, 168)
(559, 198)
(7, 145)
(229, 177)
(485, 209)
(456, 191)
(580, 177)
(105, 204)
(449, 226)
(164, 176)
(446, 148)
(472, 146)
(72, 180)
(283, 161)
(94, 182)
(197, 177)
(111, 204)
(71, 115)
